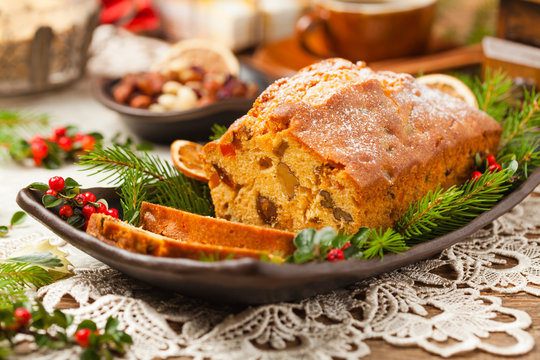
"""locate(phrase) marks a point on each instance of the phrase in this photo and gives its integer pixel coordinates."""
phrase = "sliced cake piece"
(182, 225)
(118, 233)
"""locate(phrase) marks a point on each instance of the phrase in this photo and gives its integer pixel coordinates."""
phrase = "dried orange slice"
(186, 157)
(451, 86)
(209, 55)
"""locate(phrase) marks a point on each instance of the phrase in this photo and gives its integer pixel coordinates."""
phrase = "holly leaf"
(38, 186)
(70, 183)
(87, 324)
(3, 230)
(46, 256)
(76, 220)
(18, 218)
(304, 240)
(360, 237)
(50, 201)
(111, 325)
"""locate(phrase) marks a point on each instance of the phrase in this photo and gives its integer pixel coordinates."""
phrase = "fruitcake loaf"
(340, 145)
(118, 233)
(182, 225)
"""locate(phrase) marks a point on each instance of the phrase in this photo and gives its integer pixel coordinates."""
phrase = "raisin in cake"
(341, 145)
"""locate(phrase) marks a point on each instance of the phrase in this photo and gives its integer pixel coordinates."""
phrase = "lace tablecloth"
(443, 312)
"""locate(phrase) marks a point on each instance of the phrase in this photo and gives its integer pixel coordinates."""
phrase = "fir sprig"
(217, 131)
(15, 126)
(147, 178)
(442, 211)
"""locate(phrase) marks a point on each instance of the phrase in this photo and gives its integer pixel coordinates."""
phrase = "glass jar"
(44, 43)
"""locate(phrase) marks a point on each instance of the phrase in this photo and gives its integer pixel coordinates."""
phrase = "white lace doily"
(504, 258)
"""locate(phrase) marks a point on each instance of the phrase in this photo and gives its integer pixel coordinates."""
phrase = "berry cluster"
(490, 165)
(72, 205)
(61, 145)
(50, 331)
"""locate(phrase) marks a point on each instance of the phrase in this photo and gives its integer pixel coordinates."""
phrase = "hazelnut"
(140, 101)
(122, 91)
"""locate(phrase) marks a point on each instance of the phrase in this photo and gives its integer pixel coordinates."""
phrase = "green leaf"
(76, 220)
(111, 325)
(360, 237)
(324, 236)
(87, 324)
(90, 354)
(304, 240)
(50, 201)
(46, 259)
(70, 183)
(3, 230)
(18, 218)
(217, 131)
(104, 202)
(38, 186)
(97, 136)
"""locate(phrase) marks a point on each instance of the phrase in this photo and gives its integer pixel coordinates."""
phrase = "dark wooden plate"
(192, 124)
(249, 280)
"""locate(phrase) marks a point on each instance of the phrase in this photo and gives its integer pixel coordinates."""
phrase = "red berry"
(57, 183)
(36, 139)
(88, 210)
(83, 337)
(495, 167)
(89, 196)
(38, 161)
(80, 199)
(22, 316)
(39, 150)
(65, 211)
(102, 209)
(345, 246)
(475, 175)
(113, 213)
(78, 137)
(59, 132)
(51, 192)
(491, 160)
(336, 255)
(52, 139)
(65, 143)
(88, 142)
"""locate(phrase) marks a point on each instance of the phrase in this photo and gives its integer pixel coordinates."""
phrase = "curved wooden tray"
(249, 280)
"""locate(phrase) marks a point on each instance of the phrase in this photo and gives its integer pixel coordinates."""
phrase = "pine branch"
(522, 123)
(217, 131)
(441, 212)
(148, 177)
(21, 275)
(16, 126)
(381, 243)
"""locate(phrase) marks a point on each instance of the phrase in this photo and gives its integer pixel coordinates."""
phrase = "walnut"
(265, 162)
(287, 179)
(340, 214)
(326, 200)
(279, 150)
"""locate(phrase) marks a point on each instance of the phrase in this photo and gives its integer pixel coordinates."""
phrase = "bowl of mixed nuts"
(199, 84)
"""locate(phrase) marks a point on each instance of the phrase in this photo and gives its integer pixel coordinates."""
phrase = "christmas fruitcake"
(340, 145)
(117, 233)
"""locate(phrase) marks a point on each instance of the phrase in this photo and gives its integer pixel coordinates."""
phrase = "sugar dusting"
(375, 123)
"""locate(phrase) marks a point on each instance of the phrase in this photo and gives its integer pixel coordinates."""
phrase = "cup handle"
(310, 25)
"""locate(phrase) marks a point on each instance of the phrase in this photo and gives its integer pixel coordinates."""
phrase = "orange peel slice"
(451, 86)
(187, 158)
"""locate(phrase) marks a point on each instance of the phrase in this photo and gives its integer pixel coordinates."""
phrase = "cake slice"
(185, 226)
(341, 145)
(118, 233)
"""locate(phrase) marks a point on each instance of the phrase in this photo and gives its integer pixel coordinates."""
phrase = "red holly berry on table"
(22, 316)
(65, 143)
(336, 255)
(83, 337)
(57, 183)
(60, 132)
